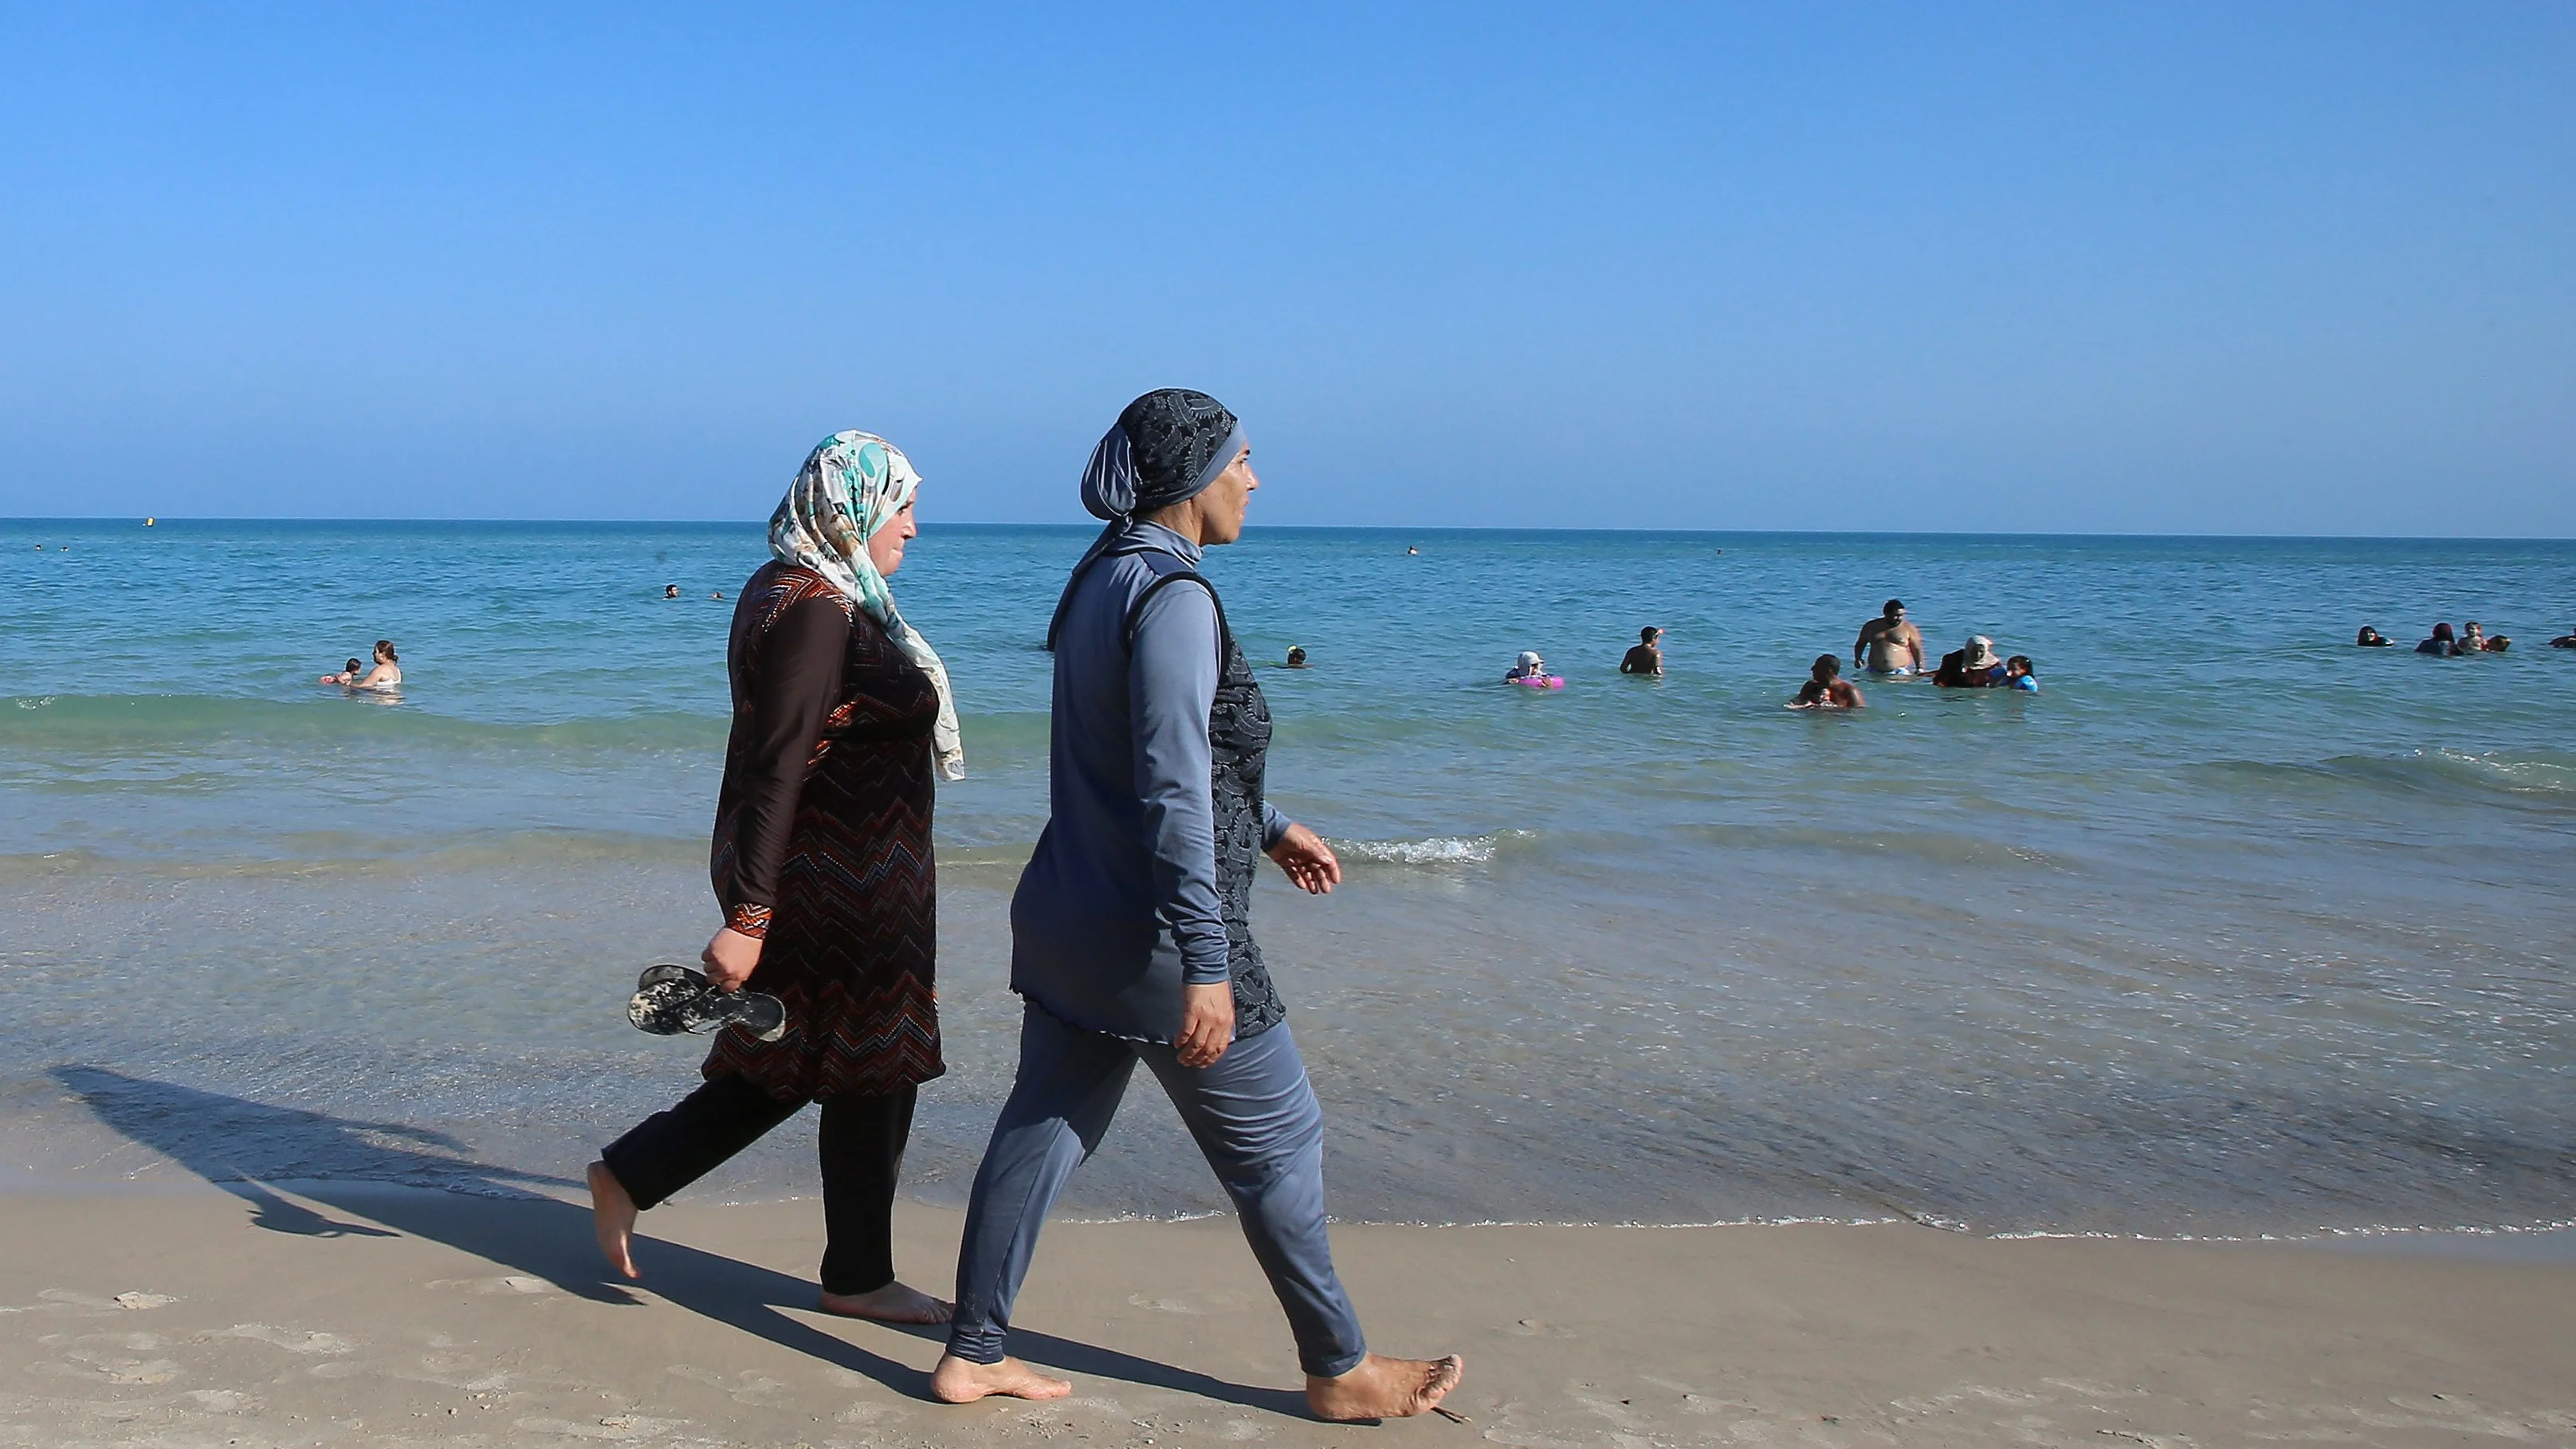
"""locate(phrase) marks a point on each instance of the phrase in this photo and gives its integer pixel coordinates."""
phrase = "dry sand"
(343, 1315)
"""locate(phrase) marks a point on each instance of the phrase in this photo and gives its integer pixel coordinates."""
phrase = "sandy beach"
(264, 1316)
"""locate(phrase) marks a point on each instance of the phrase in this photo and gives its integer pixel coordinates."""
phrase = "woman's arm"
(1310, 863)
(1171, 686)
(795, 673)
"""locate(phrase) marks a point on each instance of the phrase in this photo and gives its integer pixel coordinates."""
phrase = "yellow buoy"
(147, 523)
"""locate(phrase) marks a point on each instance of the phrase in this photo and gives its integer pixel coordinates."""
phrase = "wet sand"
(344, 1315)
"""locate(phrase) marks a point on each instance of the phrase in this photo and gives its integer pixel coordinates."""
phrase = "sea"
(2232, 930)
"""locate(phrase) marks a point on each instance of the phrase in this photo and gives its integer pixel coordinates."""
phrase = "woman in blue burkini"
(1130, 932)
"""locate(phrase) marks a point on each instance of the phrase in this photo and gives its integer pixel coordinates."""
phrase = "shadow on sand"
(490, 1212)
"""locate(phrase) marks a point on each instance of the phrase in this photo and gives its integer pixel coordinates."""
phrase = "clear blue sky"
(2159, 268)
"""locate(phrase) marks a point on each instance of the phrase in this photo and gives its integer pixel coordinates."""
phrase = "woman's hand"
(1207, 1024)
(1311, 865)
(729, 958)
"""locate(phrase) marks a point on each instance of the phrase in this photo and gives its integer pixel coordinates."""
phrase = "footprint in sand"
(457, 1373)
(748, 1386)
(73, 1298)
(518, 1283)
(126, 1370)
(292, 1342)
(1192, 1302)
(615, 1429)
(1969, 1395)
(2441, 1412)
(1693, 1401)
(2097, 1391)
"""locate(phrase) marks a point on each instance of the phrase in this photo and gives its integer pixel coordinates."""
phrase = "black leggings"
(862, 1141)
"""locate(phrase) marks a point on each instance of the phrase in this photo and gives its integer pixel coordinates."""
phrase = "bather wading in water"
(1130, 930)
(385, 677)
(1826, 688)
(1889, 644)
(821, 863)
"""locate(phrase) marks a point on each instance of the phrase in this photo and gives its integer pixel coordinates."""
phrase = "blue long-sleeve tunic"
(1118, 908)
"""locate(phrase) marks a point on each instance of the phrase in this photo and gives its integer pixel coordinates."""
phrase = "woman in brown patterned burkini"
(822, 864)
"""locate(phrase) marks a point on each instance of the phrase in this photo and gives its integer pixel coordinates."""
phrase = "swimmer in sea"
(2018, 675)
(2442, 645)
(2372, 639)
(387, 675)
(2564, 641)
(1296, 656)
(1974, 667)
(1889, 644)
(2473, 638)
(348, 674)
(1646, 656)
(1826, 688)
(1530, 666)
(670, 591)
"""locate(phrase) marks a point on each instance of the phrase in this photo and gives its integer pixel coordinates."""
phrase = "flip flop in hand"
(670, 1000)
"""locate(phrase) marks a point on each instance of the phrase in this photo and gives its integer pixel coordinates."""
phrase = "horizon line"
(142, 520)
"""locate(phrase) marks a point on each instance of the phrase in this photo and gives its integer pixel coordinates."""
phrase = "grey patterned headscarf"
(1166, 448)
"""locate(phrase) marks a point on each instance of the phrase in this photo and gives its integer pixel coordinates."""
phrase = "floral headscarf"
(851, 484)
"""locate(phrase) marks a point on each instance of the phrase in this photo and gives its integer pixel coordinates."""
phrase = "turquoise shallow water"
(2235, 928)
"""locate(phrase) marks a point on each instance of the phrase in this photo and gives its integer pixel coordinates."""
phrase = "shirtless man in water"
(1826, 688)
(1889, 644)
(1646, 656)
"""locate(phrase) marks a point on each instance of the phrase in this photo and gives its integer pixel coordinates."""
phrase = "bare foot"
(894, 1303)
(1385, 1388)
(957, 1381)
(612, 1216)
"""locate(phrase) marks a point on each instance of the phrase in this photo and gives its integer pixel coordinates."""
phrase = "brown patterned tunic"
(822, 843)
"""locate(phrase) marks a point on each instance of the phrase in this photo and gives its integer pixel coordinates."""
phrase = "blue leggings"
(1253, 1115)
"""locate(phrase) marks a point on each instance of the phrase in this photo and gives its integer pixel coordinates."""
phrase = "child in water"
(1529, 666)
(2018, 675)
(1826, 688)
(348, 674)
